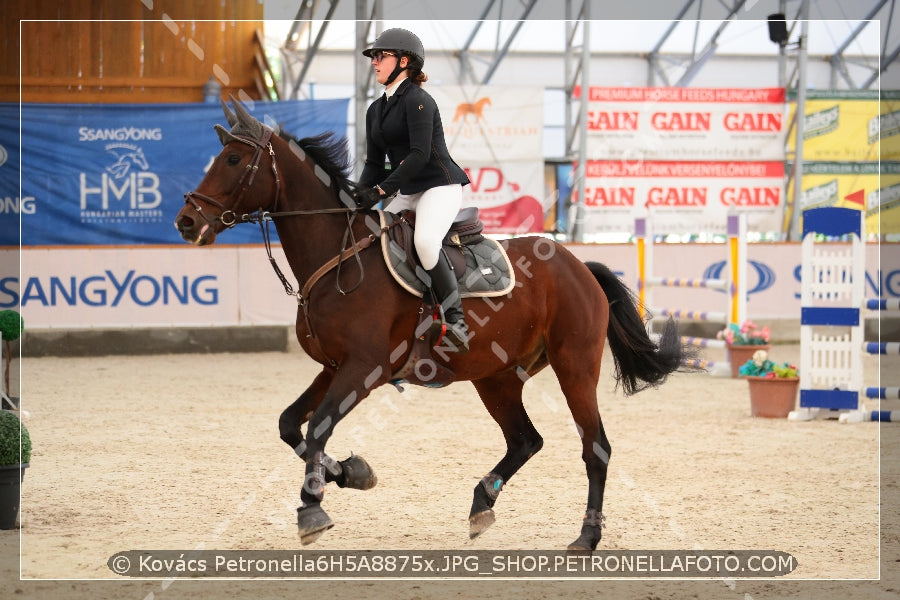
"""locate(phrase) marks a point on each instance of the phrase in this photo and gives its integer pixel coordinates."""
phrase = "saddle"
(481, 265)
(482, 269)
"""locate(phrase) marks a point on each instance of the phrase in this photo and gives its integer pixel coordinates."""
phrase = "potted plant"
(15, 454)
(773, 386)
(11, 327)
(742, 341)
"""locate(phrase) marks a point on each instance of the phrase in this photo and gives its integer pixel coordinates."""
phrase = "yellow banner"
(840, 125)
(855, 185)
(883, 207)
(889, 125)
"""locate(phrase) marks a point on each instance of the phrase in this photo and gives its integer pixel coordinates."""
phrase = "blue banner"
(116, 174)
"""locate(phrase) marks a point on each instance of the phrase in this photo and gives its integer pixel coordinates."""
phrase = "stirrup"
(458, 335)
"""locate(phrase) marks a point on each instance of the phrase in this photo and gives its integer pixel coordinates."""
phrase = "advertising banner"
(843, 125)
(703, 124)
(887, 125)
(496, 135)
(79, 288)
(121, 288)
(115, 174)
(883, 204)
(682, 197)
(856, 185)
(117, 287)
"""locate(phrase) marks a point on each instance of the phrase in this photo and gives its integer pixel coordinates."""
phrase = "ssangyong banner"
(79, 288)
(674, 123)
(116, 288)
(496, 135)
(115, 174)
(682, 196)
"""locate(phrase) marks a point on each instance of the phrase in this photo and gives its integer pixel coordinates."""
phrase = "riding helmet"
(402, 40)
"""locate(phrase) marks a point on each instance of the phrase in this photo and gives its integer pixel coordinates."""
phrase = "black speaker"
(777, 28)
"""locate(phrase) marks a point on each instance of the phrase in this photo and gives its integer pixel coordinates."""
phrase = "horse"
(559, 314)
(476, 108)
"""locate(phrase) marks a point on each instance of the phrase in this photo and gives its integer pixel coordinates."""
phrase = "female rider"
(404, 124)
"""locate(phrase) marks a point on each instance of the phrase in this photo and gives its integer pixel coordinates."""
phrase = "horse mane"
(331, 152)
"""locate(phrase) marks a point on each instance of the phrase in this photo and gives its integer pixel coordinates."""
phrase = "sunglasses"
(380, 54)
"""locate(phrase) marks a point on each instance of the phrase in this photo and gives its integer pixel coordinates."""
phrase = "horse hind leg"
(502, 396)
(596, 451)
(581, 396)
(577, 368)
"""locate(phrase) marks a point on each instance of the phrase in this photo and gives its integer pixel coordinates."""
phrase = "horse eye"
(234, 159)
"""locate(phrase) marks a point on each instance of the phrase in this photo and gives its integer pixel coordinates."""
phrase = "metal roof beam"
(509, 40)
(855, 33)
(839, 62)
(885, 61)
(710, 48)
(290, 50)
(465, 64)
(314, 47)
(366, 20)
(465, 56)
(653, 56)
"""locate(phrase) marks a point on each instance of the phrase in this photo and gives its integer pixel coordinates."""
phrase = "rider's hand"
(369, 197)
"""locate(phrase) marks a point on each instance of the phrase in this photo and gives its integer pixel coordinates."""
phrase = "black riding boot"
(446, 291)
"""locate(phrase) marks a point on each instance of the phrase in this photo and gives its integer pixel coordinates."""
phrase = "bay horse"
(560, 313)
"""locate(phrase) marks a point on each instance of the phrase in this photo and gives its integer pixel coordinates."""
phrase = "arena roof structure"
(677, 40)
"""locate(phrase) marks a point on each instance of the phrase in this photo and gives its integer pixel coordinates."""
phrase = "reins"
(229, 219)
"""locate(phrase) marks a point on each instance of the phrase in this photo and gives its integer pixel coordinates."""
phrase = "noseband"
(228, 217)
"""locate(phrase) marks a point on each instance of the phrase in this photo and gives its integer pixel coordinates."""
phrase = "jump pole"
(732, 285)
(889, 305)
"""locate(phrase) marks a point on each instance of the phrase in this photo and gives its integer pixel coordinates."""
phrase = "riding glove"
(368, 197)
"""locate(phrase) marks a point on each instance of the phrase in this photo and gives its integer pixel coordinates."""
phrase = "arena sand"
(182, 451)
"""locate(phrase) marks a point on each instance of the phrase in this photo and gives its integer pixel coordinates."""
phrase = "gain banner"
(115, 174)
(682, 197)
(496, 135)
(705, 124)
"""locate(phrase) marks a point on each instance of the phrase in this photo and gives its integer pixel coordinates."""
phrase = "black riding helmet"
(402, 41)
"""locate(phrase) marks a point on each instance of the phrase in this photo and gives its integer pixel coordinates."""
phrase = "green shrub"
(11, 325)
(9, 439)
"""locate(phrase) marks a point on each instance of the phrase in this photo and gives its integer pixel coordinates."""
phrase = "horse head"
(234, 188)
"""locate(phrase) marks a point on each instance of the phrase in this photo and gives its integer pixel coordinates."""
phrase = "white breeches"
(435, 210)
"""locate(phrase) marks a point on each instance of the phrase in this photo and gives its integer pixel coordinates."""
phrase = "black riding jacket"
(407, 129)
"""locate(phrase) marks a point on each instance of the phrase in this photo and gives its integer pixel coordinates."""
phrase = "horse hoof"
(479, 523)
(312, 522)
(358, 475)
(578, 547)
(586, 542)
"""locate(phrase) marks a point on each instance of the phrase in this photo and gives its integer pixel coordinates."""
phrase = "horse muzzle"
(199, 232)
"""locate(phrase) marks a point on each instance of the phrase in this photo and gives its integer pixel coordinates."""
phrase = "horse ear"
(224, 135)
(246, 121)
(229, 115)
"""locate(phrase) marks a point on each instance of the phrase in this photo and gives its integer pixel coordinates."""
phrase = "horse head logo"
(126, 155)
(472, 108)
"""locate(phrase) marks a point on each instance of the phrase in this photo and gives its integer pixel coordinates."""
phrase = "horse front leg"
(353, 472)
(344, 393)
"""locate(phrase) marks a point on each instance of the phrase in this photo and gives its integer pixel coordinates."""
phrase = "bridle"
(229, 218)
(226, 216)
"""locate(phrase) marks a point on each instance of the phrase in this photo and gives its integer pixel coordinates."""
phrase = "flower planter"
(741, 353)
(772, 397)
(10, 484)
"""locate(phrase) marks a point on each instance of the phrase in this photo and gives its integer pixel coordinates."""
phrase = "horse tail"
(640, 362)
